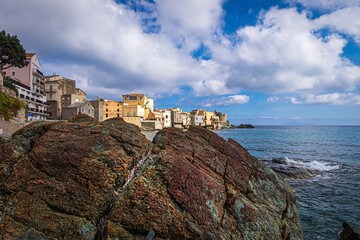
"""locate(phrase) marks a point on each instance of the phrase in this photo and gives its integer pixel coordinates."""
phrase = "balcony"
(37, 72)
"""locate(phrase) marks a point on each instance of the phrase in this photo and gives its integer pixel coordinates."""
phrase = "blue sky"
(260, 61)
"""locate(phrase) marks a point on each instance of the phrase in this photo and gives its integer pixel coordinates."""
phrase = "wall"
(112, 109)
(151, 124)
(8, 128)
(98, 106)
(133, 120)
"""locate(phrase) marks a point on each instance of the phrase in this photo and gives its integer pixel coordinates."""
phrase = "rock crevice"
(87, 180)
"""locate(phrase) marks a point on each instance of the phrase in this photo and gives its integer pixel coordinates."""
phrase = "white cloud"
(104, 46)
(282, 54)
(226, 101)
(267, 117)
(343, 20)
(326, 4)
(330, 99)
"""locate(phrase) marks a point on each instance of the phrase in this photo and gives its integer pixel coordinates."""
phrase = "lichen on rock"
(83, 179)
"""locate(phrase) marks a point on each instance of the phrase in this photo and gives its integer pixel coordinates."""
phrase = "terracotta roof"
(30, 54)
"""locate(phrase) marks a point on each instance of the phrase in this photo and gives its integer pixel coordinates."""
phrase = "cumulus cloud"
(342, 20)
(326, 4)
(330, 99)
(108, 47)
(282, 54)
(226, 101)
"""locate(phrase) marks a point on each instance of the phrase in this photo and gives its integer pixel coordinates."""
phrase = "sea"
(332, 195)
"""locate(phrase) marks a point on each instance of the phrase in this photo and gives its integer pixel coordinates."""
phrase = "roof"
(79, 105)
(30, 54)
(134, 93)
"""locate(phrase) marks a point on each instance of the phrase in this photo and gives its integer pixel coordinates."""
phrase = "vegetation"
(10, 85)
(9, 106)
(12, 53)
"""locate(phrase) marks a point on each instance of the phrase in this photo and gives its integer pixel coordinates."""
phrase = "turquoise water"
(333, 195)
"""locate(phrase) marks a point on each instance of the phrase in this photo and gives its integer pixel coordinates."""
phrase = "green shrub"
(9, 106)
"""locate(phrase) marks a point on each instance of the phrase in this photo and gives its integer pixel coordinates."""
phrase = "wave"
(323, 166)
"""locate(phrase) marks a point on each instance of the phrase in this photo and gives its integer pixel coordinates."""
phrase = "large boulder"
(84, 180)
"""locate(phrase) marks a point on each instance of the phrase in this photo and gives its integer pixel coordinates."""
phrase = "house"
(186, 119)
(176, 118)
(166, 117)
(197, 120)
(207, 117)
(112, 109)
(60, 93)
(133, 110)
(140, 99)
(155, 116)
(29, 81)
(77, 109)
(98, 105)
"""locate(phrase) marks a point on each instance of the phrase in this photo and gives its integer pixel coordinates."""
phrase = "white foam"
(313, 165)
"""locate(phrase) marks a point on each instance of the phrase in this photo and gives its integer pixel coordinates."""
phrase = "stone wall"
(8, 91)
(8, 128)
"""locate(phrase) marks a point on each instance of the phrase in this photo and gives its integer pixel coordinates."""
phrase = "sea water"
(332, 196)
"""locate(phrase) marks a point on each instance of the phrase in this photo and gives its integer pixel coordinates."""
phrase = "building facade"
(29, 81)
(112, 109)
(139, 99)
(77, 109)
(133, 111)
(98, 105)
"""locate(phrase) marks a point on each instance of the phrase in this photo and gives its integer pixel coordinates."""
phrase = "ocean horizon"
(330, 153)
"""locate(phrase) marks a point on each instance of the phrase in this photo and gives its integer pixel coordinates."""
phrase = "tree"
(12, 53)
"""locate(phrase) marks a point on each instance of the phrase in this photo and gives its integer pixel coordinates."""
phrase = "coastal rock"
(350, 231)
(245, 126)
(84, 180)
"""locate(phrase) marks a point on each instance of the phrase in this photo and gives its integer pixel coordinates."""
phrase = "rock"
(350, 231)
(84, 180)
(245, 126)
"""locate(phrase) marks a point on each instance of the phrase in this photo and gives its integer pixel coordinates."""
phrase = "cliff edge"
(88, 180)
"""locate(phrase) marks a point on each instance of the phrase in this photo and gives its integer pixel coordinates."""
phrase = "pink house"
(29, 81)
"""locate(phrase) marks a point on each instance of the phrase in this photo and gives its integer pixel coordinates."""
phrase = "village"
(57, 98)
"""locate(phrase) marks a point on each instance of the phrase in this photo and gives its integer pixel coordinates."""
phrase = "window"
(13, 73)
(128, 114)
(76, 100)
(133, 98)
(140, 98)
(118, 115)
(106, 105)
(134, 113)
(118, 104)
(118, 110)
(107, 110)
(51, 88)
(50, 96)
(107, 115)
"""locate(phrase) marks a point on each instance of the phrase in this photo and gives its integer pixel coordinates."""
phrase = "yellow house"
(133, 110)
(139, 99)
(112, 109)
(208, 116)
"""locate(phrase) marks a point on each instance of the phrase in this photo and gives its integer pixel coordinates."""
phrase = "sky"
(263, 62)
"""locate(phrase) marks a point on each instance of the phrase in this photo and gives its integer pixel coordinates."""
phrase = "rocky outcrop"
(84, 180)
(245, 126)
(350, 231)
